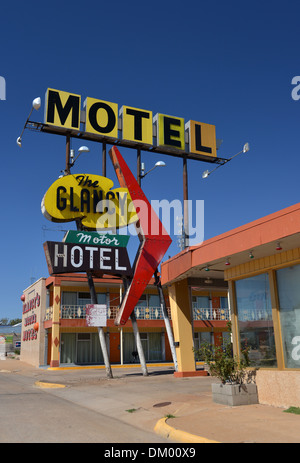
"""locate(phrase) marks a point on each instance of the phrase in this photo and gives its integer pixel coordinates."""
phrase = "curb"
(126, 365)
(168, 432)
(48, 385)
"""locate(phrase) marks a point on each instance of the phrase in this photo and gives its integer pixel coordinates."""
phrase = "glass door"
(83, 348)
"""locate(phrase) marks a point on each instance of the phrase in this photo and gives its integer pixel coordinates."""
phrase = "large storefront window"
(288, 284)
(255, 319)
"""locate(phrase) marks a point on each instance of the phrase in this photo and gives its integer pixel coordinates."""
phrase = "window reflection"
(288, 282)
(255, 319)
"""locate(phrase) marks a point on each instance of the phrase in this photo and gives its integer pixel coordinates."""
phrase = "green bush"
(223, 364)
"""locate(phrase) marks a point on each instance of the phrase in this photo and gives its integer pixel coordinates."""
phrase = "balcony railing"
(141, 313)
(209, 313)
(79, 312)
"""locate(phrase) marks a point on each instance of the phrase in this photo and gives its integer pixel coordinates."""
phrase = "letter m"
(62, 109)
(84, 238)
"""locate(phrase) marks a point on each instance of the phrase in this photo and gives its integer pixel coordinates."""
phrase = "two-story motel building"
(250, 275)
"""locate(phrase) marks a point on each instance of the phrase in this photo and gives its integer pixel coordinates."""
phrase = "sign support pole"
(100, 329)
(185, 204)
(67, 154)
(138, 341)
(158, 284)
(121, 332)
(137, 338)
(138, 159)
(166, 319)
(104, 159)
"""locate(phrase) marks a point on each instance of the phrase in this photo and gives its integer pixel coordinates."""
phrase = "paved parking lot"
(130, 399)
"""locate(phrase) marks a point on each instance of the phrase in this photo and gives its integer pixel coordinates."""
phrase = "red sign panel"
(153, 237)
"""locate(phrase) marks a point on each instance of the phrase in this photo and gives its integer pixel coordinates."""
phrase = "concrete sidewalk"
(180, 409)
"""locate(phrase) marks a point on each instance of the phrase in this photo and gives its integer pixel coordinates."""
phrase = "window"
(69, 298)
(288, 282)
(153, 300)
(148, 307)
(151, 343)
(143, 301)
(101, 298)
(83, 336)
(149, 300)
(255, 319)
(200, 302)
(224, 302)
(201, 337)
(84, 299)
(81, 298)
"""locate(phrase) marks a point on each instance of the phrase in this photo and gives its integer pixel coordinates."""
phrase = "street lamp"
(70, 161)
(246, 148)
(158, 164)
(36, 104)
(82, 149)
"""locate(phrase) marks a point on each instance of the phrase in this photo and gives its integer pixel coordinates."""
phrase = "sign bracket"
(46, 128)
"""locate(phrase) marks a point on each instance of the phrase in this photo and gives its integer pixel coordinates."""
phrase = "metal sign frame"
(82, 135)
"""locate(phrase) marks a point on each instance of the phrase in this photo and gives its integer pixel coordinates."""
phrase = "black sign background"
(68, 258)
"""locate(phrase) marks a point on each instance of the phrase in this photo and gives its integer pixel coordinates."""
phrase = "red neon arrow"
(153, 237)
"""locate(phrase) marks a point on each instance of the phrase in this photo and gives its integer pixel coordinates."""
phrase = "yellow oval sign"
(88, 198)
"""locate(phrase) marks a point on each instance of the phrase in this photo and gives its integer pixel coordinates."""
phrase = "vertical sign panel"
(101, 117)
(170, 131)
(137, 125)
(202, 138)
(62, 109)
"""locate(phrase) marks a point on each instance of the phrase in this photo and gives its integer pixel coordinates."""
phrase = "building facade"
(55, 330)
(249, 275)
(260, 262)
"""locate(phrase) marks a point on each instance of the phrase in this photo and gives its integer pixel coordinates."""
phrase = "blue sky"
(226, 63)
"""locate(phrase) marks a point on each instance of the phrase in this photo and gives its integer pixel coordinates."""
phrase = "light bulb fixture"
(251, 256)
(207, 269)
(245, 149)
(208, 281)
(227, 262)
(205, 174)
(157, 164)
(36, 104)
(278, 247)
(82, 149)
